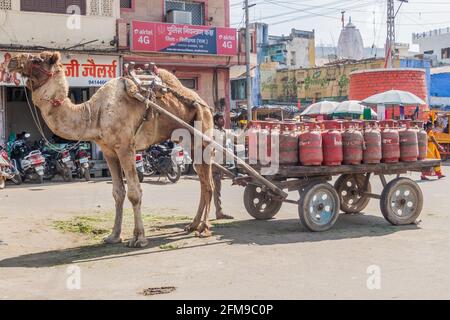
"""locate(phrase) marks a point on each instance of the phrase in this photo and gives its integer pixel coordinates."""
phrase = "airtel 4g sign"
(180, 38)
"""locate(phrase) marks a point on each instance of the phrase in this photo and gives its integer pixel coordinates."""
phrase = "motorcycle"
(161, 159)
(7, 170)
(182, 158)
(29, 163)
(57, 163)
(140, 166)
(82, 166)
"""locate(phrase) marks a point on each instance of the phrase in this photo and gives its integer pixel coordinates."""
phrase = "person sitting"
(432, 153)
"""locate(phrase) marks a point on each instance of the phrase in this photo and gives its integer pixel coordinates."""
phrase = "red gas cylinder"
(264, 143)
(409, 147)
(372, 142)
(332, 143)
(310, 145)
(252, 145)
(390, 141)
(352, 143)
(288, 144)
(422, 139)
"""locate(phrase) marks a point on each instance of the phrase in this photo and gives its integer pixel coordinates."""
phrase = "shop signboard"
(81, 70)
(182, 38)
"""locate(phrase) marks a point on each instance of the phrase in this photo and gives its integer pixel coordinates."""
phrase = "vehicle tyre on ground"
(318, 207)
(259, 204)
(401, 201)
(174, 174)
(350, 188)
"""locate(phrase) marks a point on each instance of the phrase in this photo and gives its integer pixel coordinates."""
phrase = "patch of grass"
(83, 224)
(223, 224)
(169, 246)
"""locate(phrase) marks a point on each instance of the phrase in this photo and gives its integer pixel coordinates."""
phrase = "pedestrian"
(432, 153)
(220, 136)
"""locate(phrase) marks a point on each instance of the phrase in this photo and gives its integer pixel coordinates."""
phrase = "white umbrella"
(394, 97)
(322, 107)
(350, 106)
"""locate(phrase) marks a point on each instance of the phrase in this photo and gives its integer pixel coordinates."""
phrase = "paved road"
(246, 259)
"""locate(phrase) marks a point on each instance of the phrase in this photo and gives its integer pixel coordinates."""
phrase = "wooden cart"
(320, 202)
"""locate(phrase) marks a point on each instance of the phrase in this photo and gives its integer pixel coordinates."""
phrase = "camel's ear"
(54, 58)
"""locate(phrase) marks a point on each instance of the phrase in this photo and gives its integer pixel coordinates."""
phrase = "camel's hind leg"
(118, 193)
(201, 224)
(134, 192)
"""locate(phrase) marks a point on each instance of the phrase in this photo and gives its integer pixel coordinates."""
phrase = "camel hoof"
(138, 243)
(191, 227)
(112, 239)
(203, 234)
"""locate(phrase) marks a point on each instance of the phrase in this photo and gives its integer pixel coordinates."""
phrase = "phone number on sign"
(97, 82)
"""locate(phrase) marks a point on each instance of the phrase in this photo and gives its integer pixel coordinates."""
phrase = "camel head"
(38, 68)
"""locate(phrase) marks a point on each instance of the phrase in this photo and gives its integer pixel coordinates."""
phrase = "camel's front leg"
(201, 224)
(128, 162)
(118, 193)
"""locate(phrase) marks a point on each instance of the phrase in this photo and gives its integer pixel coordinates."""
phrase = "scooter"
(7, 170)
(82, 166)
(31, 162)
(181, 158)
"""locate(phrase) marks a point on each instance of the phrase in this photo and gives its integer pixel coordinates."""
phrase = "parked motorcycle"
(29, 163)
(161, 159)
(182, 158)
(56, 163)
(82, 166)
(140, 166)
(7, 170)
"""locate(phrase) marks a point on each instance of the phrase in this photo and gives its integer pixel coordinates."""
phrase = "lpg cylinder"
(252, 145)
(264, 144)
(409, 147)
(332, 143)
(310, 145)
(372, 143)
(390, 141)
(422, 139)
(288, 151)
(352, 143)
(274, 141)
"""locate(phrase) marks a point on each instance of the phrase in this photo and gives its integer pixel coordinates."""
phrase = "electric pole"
(390, 39)
(247, 62)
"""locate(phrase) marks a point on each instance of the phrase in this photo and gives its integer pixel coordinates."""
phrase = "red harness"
(48, 74)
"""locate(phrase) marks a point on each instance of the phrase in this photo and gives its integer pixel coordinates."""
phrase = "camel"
(111, 118)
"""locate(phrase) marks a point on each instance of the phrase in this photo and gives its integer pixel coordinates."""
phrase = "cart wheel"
(349, 188)
(260, 204)
(318, 207)
(401, 201)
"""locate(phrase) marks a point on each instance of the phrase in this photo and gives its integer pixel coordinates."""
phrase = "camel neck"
(66, 119)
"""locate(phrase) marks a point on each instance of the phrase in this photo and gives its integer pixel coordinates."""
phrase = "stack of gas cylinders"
(336, 142)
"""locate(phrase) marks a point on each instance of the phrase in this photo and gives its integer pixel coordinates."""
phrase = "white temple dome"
(350, 44)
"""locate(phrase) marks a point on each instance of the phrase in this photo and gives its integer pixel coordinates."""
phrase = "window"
(238, 89)
(293, 58)
(101, 8)
(190, 83)
(5, 5)
(196, 8)
(52, 6)
(445, 53)
(126, 4)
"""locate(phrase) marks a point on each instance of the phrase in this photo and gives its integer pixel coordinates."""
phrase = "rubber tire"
(67, 174)
(344, 207)
(187, 169)
(140, 176)
(249, 195)
(86, 174)
(39, 179)
(384, 202)
(2, 182)
(303, 203)
(17, 180)
(175, 178)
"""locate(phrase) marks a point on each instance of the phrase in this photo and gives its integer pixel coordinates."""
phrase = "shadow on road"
(248, 232)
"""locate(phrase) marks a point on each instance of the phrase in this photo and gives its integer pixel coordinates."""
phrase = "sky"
(324, 16)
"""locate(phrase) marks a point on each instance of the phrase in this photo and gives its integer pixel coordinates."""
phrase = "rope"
(37, 122)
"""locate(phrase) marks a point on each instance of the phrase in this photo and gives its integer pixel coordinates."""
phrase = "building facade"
(434, 44)
(192, 39)
(84, 31)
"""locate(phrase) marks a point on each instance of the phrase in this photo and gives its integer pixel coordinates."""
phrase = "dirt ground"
(51, 233)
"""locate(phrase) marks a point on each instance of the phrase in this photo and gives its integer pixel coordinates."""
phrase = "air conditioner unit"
(179, 17)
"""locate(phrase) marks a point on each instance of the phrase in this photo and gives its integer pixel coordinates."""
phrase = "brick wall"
(363, 84)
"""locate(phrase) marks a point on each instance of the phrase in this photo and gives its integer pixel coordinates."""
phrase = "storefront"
(85, 74)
